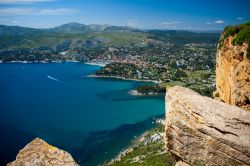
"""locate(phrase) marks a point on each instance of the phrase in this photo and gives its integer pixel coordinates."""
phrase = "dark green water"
(91, 118)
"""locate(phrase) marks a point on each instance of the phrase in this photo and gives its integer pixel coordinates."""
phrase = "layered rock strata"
(203, 130)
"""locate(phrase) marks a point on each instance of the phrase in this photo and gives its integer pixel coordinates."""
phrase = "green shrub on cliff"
(231, 30)
(243, 35)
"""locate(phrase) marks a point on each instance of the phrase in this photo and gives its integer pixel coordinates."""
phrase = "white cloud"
(56, 11)
(15, 11)
(240, 18)
(22, 1)
(173, 23)
(32, 11)
(219, 22)
(215, 22)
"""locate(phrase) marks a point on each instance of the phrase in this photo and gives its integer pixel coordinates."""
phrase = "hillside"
(95, 35)
(77, 35)
(166, 56)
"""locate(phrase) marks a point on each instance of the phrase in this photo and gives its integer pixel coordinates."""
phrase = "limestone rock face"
(204, 130)
(39, 153)
(233, 74)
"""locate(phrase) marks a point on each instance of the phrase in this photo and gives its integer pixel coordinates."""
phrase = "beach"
(95, 64)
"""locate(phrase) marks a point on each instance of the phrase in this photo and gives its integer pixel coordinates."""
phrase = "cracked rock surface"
(199, 128)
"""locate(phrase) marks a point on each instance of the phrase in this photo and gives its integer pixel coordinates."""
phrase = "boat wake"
(54, 79)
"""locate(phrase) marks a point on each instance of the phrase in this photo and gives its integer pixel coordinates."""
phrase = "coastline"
(73, 61)
(30, 62)
(122, 78)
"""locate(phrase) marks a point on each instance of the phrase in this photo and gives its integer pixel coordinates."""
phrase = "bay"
(60, 104)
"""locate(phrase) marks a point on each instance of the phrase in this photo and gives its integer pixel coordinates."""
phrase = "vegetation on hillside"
(151, 89)
(149, 150)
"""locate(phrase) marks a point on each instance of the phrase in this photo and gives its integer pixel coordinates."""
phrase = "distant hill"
(70, 28)
(16, 30)
(79, 28)
(94, 35)
(120, 29)
(82, 28)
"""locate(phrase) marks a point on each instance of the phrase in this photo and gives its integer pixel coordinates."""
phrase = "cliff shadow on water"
(101, 146)
(98, 147)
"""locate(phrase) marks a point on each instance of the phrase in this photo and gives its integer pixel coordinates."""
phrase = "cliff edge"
(233, 67)
(203, 130)
(40, 153)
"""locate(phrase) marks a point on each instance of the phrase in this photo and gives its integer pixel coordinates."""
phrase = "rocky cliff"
(39, 153)
(203, 130)
(233, 68)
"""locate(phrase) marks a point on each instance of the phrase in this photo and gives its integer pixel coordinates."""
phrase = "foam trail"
(54, 79)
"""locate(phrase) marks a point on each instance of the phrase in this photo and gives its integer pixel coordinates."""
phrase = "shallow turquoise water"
(58, 103)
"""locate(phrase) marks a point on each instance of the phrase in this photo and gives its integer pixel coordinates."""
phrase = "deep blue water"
(92, 118)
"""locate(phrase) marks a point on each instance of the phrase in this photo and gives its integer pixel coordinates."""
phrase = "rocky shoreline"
(122, 78)
(150, 140)
(137, 93)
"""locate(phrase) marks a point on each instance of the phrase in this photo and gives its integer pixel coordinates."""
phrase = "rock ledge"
(201, 129)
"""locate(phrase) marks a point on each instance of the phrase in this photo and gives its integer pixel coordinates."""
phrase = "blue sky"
(145, 14)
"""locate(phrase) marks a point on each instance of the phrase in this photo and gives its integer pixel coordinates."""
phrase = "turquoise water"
(82, 115)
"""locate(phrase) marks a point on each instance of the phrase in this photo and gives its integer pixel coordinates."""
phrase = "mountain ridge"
(71, 28)
(75, 27)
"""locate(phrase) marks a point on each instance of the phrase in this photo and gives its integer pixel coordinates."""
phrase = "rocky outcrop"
(233, 74)
(203, 130)
(39, 153)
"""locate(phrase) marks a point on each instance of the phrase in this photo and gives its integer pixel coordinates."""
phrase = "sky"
(143, 14)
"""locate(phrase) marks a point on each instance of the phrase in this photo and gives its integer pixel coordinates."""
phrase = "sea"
(91, 118)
